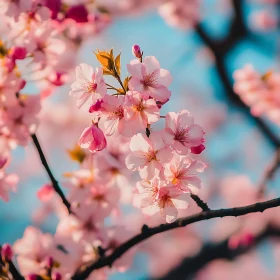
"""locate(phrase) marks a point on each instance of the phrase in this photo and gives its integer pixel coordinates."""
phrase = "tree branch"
(269, 174)
(226, 81)
(84, 272)
(200, 203)
(209, 252)
(52, 178)
(15, 273)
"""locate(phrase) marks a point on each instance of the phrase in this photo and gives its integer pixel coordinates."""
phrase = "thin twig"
(84, 272)
(226, 81)
(213, 251)
(200, 203)
(269, 174)
(52, 178)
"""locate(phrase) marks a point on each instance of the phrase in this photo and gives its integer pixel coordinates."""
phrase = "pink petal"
(135, 160)
(160, 93)
(151, 64)
(139, 143)
(135, 69)
(185, 118)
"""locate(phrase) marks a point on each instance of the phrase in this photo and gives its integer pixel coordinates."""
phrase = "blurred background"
(238, 152)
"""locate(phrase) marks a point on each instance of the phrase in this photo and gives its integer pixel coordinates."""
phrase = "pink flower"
(7, 183)
(20, 119)
(93, 139)
(181, 14)
(114, 120)
(89, 87)
(154, 197)
(148, 155)
(140, 112)
(86, 225)
(149, 79)
(182, 172)
(15, 8)
(32, 250)
(182, 134)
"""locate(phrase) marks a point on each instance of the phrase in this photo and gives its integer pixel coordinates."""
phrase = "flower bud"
(6, 252)
(3, 161)
(78, 13)
(93, 139)
(18, 52)
(136, 51)
(96, 106)
(49, 262)
(197, 150)
(32, 277)
(56, 276)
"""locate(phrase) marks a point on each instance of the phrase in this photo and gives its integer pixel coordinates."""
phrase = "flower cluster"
(260, 92)
(34, 37)
(164, 158)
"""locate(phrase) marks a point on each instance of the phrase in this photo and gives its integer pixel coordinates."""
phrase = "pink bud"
(93, 139)
(78, 13)
(22, 84)
(96, 106)
(197, 150)
(18, 52)
(3, 161)
(45, 193)
(233, 243)
(56, 276)
(136, 51)
(247, 239)
(49, 262)
(6, 252)
(32, 277)
(54, 6)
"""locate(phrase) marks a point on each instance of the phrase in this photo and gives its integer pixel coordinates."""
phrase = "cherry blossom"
(149, 79)
(182, 172)
(140, 112)
(148, 155)
(89, 87)
(184, 134)
(32, 250)
(93, 139)
(155, 197)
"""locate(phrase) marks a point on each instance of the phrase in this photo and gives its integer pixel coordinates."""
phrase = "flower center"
(149, 80)
(91, 87)
(119, 113)
(165, 201)
(181, 136)
(138, 107)
(151, 155)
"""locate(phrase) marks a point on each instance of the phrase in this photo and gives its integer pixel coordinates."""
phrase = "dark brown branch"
(269, 174)
(226, 81)
(209, 252)
(52, 178)
(15, 273)
(84, 272)
(238, 29)
(200, 203)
